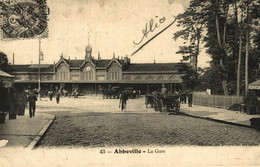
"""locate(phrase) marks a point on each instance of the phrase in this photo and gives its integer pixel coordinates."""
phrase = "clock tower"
(88, 52)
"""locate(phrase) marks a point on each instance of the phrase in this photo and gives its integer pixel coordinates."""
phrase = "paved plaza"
(96, 122)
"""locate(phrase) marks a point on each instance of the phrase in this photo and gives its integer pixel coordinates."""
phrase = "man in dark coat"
(50, 94)
(32, 98)
(123, 98)
(190, 98)
(58, 94)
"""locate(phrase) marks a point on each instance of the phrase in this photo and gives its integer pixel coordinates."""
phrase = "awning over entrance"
(4, 74)
(105, 82)
(255, 85)
(6, 79)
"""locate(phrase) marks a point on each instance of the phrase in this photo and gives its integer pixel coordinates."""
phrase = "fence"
(218, 101)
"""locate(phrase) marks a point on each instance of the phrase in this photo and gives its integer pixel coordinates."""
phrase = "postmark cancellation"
(23, 19)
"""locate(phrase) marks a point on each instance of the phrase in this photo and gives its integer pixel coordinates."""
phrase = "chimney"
(75, 58)
(13, 58)
(69, 57)
(54, 67)
(114, 55)
(61, 56)
(125, 60)
(99, 56)
(154, 61)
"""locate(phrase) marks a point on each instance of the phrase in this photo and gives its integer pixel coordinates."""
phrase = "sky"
(109, 26)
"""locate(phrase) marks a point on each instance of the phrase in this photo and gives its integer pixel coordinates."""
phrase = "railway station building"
(90, 76)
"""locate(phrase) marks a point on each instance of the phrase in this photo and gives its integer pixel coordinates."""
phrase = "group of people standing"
(57, 95)
(124, 96)
(184, 95)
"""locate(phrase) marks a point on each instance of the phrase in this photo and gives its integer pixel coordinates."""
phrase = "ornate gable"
(88, 61)
(114, 60)
(62, 60)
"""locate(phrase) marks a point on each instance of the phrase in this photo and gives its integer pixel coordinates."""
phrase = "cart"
(149, 100)
(169, 103)
(113, 92)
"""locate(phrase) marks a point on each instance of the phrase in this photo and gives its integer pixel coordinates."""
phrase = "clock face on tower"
(88, 68)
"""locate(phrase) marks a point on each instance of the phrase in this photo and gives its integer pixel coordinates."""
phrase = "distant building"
(93, 75)
(6, 79)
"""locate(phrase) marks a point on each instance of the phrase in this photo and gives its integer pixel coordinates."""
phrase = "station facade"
(91, 75)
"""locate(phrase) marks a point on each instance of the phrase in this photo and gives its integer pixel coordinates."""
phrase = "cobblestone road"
(76, 127)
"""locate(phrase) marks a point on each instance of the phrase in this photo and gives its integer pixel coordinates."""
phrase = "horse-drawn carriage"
(167, 103)
(133, 93)
(149, 100)
(113, 92)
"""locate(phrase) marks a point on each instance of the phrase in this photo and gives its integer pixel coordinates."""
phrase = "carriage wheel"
(165, 108)
(177, 106)
(161, 107)
(156, 106)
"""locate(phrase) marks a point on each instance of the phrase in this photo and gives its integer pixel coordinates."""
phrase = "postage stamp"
(23, 19)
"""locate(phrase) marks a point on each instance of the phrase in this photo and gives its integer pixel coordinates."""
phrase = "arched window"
(114, 74)
(62, 72)
(88, 73)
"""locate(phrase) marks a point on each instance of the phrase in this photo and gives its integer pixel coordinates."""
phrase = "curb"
(36, 140)
(221, 121)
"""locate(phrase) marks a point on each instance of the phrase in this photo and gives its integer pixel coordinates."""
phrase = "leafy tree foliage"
(4, 65)
(224, 27)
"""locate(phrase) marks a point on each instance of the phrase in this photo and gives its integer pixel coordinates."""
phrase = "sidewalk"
(219, 114)
(24, 131)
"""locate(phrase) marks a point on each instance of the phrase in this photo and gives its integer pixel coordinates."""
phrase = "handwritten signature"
(149, 28)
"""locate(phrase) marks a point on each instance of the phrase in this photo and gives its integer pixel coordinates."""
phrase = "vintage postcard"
(129, 83)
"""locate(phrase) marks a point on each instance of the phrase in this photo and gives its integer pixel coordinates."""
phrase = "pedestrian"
(50, 94)
(190, 98)
(163, 91)
(58, 94)
(185, 97)
(123, 98)
(32, 98)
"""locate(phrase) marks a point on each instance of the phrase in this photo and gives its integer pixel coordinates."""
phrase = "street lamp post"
(39, 71)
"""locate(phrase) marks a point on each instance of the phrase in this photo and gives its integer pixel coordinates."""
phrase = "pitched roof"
(255, 85)
(155, 67)
(20, 68)
(140, 67)
(37, 65)
(32, 68)
(102, 63)
(98, 63)
(75, 63)
(4, 74)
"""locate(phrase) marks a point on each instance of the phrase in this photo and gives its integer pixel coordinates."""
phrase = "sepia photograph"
(129, 83)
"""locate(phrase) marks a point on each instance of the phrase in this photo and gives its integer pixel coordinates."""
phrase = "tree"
(4, 65)
(230, 37)
(190, 79)
(206, 81)
(192, 23)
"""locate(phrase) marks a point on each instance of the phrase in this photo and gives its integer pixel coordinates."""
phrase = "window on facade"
(114, 75)
(63, 75)
(89, 75)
